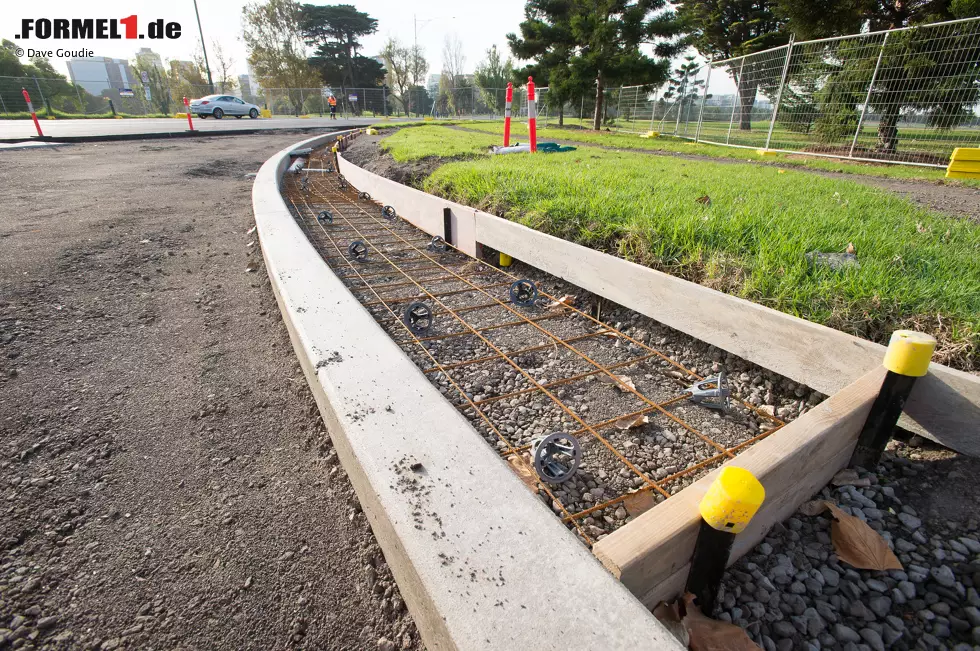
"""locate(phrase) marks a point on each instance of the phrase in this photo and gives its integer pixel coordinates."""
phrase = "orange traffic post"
(510, 100)
(187, 105)
(532, 116)
(30, 109)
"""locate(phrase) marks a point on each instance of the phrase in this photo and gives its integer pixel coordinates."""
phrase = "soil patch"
(166, 479)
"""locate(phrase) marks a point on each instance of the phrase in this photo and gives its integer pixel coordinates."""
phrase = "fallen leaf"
(619, 382)
(671, 619)
(782, 171)
(637, 503)
(523, 469)
(849, 477)
(850, 248)
(922, 229)
(611, 334)
(816, 507)
(631, 421)
(858, 545)
(567, 299)
(706, 200)
(708, 634)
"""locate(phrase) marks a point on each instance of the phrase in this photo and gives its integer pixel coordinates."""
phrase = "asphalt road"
(10, 129)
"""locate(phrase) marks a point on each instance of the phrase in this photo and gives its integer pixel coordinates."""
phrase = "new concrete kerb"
(486, 565)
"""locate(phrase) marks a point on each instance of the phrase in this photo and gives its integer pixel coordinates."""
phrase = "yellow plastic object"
(180, 116)
(305, 117)
(650, 134)
(371, 132)
(964, 163)
(909, 353)
(732, 500)
(765, 152)
(266, 113)
(427, 118)
(506, 260)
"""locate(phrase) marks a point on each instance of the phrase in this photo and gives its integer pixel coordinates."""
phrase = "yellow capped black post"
(726, 509)
(906, 359)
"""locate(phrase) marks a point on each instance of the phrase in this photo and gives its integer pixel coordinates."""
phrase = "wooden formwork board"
(652, 554)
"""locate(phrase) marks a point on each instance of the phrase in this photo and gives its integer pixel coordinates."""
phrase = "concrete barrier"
(481, 562)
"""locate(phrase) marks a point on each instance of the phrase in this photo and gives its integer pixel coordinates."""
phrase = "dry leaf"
(670, 617)
(858, 545)
(610, 333)
(782, 171)
(631, 421)
(637, 503)
(523, 469)
(849, 477)
(708, 634)
(622, 380)
(850, 248)
(706, 200)
(816, 507)
(567, 299)
(922, 229)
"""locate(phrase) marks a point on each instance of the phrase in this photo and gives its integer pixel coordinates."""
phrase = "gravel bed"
(792, 592)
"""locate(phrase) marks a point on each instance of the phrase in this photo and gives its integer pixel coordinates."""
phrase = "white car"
(219, 106)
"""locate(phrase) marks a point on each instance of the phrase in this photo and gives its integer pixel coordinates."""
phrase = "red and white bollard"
(187, 105)
(30, 109)
(510, 100)
(532, 116)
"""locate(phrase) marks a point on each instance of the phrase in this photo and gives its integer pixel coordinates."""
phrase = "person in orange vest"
(332, 101)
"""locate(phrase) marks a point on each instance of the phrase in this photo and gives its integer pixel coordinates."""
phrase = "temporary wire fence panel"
(908, 96)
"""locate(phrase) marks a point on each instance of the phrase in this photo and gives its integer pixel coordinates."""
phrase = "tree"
(276, 50)
(722, 29)
(602, 39)
(403, 66)
(157, 81)
(684, 87)
(223, 66)
(451, 78)
(546, 39)
(491, 75)
(334, 31)
(915, 73)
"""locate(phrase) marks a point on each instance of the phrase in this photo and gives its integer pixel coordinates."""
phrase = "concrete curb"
(481, 562)
(154, 135)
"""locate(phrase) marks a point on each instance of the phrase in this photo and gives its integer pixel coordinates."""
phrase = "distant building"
(98, 74)
(151, 57)
(432, 84)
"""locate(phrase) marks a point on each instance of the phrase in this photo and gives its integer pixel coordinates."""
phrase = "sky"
(477, 25)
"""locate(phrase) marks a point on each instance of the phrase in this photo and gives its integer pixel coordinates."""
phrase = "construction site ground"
(165, 478)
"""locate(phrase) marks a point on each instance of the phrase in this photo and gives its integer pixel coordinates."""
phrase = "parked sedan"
(222, 105)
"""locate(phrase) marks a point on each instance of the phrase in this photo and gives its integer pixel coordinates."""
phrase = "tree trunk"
(746, 102)
(597, 118)
(888, 130)
(561, 115)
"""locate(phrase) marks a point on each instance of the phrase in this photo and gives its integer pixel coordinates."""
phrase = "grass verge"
(918, 270)
(667, 144)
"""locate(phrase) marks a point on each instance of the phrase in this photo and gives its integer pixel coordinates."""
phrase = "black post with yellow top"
(907, 358)
(726, 510)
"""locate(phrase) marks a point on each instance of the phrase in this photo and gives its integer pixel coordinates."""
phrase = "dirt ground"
(165, 478)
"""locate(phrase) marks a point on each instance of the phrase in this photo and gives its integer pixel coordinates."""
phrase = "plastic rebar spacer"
(732, 500)
(909, 353)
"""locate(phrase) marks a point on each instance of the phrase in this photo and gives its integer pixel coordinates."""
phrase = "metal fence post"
(704, 99)
(779, 93)
(738, 98)
(41, 92)
(867, 98)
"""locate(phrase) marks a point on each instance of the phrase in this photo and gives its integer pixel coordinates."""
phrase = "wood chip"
(524, 470)
(631, 421)
(567, 299)
(637, 503)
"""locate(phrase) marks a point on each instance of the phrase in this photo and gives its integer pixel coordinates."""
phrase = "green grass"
(61, 115)
(672, 145)
(918, 269)
(427, 141)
